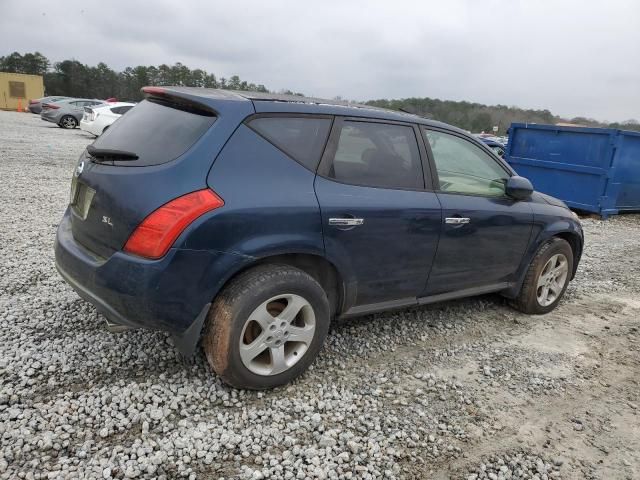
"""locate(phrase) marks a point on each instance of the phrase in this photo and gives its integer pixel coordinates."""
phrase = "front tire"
(68, 121)
(547, 278)
(266, 327)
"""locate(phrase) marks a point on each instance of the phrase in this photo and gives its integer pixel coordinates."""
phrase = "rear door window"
(377, 155)
(301, 138)
(156, 131)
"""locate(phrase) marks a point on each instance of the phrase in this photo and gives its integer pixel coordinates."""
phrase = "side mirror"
(518, 187)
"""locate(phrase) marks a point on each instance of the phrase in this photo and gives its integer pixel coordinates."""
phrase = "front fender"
(544, 230)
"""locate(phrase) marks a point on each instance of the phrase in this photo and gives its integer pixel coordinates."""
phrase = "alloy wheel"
(277, 334)
(69, 122)
(552, 279)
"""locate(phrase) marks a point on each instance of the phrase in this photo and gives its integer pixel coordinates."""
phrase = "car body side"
(104, 116)
(35, 106)
(66, 107)
(271, 215)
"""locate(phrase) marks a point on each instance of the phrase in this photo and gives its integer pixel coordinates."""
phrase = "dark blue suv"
(250, 221)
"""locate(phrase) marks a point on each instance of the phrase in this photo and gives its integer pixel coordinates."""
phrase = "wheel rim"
(552, 279)
(277, 334)
(68, 122)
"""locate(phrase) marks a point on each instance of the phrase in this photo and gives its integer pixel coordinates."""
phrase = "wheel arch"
(575, 242)
(563, 230)
(317, 266)
(69, 115)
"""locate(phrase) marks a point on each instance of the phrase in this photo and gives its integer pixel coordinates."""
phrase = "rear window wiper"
(106, 154)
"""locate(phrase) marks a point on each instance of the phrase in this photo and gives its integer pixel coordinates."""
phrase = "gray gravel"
(468, 389)
(516, 466)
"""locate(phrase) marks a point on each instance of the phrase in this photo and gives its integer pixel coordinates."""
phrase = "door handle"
(457, 220)
(346, 222)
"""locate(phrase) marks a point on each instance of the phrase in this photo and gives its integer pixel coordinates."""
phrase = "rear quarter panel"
(270, 203)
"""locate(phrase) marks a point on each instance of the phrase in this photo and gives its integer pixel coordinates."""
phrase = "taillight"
(155, 235)
(49, 105)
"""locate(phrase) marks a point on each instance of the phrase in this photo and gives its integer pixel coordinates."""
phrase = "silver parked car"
(67, 113)
(35, 106)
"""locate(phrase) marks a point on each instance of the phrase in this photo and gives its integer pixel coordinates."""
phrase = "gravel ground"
(468, 389)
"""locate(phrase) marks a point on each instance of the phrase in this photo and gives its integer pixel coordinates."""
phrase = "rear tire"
(68, 121)
(546, 279)
(266, 327)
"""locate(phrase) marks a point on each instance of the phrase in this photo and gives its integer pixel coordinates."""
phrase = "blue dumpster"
(591, 169)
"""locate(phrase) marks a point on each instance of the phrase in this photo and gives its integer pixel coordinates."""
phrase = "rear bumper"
(89, 127)
(170, 294)
(101, 305)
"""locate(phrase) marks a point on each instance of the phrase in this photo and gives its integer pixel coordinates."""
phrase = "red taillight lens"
(50, 105)
(155, 235)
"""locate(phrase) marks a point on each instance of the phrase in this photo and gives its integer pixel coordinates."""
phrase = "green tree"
(73, 78)
(31, 63)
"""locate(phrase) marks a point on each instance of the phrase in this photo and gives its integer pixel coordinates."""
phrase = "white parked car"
(97, 119)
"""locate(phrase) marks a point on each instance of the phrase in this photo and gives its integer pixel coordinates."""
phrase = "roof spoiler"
(179, 98)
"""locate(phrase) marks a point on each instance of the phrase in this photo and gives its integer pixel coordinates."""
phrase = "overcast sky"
(574, 57)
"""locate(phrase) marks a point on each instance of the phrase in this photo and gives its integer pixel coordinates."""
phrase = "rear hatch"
(140, 163)
(88, 115)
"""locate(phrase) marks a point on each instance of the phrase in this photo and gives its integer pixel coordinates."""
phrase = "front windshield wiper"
(106, 154)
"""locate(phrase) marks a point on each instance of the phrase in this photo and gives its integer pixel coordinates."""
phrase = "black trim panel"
(413, 301)
(467, 292)
(380, 307)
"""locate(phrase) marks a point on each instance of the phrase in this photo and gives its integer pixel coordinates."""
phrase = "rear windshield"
(156, 131)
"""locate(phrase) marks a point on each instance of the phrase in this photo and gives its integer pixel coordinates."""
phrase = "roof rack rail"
(427, 116)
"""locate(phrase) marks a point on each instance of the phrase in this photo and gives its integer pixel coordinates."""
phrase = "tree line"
(476, 117)
(75, 79)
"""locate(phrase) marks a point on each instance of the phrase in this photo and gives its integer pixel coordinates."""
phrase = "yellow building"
(19, 88)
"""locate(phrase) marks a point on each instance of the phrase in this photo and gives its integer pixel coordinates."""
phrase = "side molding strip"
(413, 301)
(467, 292)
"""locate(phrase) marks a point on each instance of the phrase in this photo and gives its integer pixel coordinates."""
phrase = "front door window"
(464, 167)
